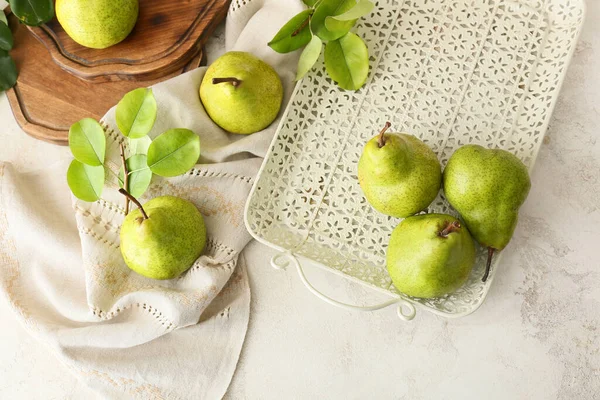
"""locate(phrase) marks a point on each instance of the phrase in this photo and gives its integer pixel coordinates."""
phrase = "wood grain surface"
(46, 100)
(166, 36)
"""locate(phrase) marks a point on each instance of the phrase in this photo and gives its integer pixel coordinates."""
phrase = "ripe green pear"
(99, 23)
(487, 187)
(399, 174)
(241, 93)
(164, 238)
(430, 255)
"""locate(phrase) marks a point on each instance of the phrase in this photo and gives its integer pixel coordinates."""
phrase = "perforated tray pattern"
(451, 72)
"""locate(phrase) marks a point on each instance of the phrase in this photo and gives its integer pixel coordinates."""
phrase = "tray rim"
(498, 258)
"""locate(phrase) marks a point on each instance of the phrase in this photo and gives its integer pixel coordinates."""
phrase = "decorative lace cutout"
(87, 231)
(213, 246)
(164, 321)
(237, 4)
(216, 174)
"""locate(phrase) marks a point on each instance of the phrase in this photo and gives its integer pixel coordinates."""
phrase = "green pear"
(241, 93)
(162, 239)
(399, 174)
(97, 23)
(487, 187)
(430, 255)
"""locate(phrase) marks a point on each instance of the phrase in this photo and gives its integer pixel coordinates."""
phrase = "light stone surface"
(537, 336)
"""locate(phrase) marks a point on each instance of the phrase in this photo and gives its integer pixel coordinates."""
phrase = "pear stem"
(381, 139)
(125, 176)
(135, 201)
(451, 227)
(488, 264)
(234, 81)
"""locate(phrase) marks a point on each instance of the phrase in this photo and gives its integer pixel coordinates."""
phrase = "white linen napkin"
(63, 274)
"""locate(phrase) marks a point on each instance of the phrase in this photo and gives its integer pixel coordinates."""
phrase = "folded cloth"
(63, 274)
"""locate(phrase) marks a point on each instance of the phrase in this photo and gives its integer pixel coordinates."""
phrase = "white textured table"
(536, 337)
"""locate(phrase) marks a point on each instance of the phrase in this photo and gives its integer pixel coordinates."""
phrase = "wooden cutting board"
(46, 100)
(166, 36)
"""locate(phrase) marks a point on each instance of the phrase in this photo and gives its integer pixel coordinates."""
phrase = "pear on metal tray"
(430, 255)
(399, 174)
(487, 187)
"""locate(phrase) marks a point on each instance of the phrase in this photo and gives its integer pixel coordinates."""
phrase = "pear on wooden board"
(399, 174)
(99, 23)
(430, 255)
(487, 187)
(241, 93)
(162, 239)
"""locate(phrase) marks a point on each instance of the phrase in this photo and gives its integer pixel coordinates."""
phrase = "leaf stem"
(134, 200)
(234, 81)
(138, 170)
(125, 176)
(381, 139)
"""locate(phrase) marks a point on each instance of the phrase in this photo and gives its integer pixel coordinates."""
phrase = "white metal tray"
(451, 72)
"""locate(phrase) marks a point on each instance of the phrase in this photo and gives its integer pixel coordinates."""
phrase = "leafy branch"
(172, 153)
(328, 21)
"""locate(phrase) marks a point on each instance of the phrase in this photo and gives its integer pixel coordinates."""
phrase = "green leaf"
(328, 8)
(139, 175)
(310, 3)
(136, 113)
(139, 146)
(347, 61)
(174, 152)
(3, 17)
(86, 182)
(33, 12)
(87, 142)
(6, 39)
(8, 71)
(336, 23)
(309, 57)
(294, 34)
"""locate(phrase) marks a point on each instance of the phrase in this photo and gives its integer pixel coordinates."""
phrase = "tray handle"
(406, 311)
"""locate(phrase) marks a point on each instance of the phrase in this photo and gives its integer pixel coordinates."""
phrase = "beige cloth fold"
(63, 274)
